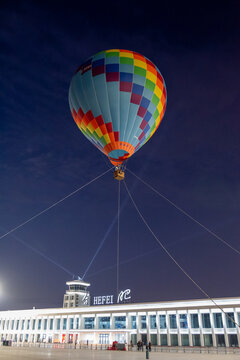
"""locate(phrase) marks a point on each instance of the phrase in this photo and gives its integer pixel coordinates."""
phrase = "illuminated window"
(230, 323)
(153, 324)
(104, 323)
(194, 321)
(58, 324)
(120, 322)
(71, 323)
(143, 322)
(162, 321)
(133, 322)
(89, 323)
(183, 321)
(173, 322)
(206, 323)
(64, 324)
(218, 320)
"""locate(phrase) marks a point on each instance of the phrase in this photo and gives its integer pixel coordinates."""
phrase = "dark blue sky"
(193, 158)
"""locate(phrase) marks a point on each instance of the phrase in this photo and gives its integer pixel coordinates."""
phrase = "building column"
(200, 327)
(158, 328)
(189, 327)
(237, 320)
(225, 329)
(168, 329)
(138, 323)
(148, 326)
(213, 332)
(178, 329)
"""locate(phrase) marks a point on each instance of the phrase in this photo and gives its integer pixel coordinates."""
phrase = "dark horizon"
(192, 159)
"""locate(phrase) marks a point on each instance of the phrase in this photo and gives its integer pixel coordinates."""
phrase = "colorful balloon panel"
(118, 99)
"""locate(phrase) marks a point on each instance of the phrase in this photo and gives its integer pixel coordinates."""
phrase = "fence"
(169, 349)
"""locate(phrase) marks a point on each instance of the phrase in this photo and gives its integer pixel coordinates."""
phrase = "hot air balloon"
(118, 99)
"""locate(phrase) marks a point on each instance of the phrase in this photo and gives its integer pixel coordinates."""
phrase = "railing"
(170, 349)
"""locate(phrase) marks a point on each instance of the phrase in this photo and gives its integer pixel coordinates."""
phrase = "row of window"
(120, 322)
(164, 341)
(196, 340)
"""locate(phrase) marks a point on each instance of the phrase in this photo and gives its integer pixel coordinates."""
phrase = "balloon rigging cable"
(54, 204)
(174, 260)
(186, 214)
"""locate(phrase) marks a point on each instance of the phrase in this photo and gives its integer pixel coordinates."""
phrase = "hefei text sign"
(123, 296)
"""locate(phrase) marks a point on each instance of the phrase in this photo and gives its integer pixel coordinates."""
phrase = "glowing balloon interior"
(118, 99)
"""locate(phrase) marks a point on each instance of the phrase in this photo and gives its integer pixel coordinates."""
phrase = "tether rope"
(118, 234)
(174, 260)
(186, 214)
(53, 205)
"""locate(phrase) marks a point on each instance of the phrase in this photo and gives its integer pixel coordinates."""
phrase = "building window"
(218, 320)
(174, 339)
(66, 297)
(89, 323)
(12, 327)
(185, 339)
(206, 323)
(65, 304)
(77, 323)
(71, 320)
(233, 340)
(133, 322)
(17, 327)
(153, 324)
(230, 323)
(153, 339)
(143, 322)
(23, 323)
(7, 324)
(194, 321)
(71, 304)
(162, 321)
(64, 324)
(220, 340)
(104, 323)
(45, 324)
(120, 322)
(39, 324)
(196, 340)
(58, 324)
(183, 321)
(51, 324)
(173, 322)
(34, 324)
(163, 339)
(208, 340)
(72, 297)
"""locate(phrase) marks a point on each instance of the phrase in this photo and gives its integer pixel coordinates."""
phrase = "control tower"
(77, 294)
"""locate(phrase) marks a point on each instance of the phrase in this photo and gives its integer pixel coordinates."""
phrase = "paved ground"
(65, 354)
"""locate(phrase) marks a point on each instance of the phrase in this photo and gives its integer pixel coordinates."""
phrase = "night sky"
(193, 158)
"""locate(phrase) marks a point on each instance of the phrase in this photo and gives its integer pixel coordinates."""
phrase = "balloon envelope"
(118, 99)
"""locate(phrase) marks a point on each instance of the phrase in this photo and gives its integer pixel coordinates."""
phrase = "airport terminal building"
(173, 323)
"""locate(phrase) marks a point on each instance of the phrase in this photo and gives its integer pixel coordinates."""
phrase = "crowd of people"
(141, 344)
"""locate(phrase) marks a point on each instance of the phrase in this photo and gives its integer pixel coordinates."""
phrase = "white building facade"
(174, 323)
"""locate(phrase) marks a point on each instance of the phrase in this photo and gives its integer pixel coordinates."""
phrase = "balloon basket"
(119, 174)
